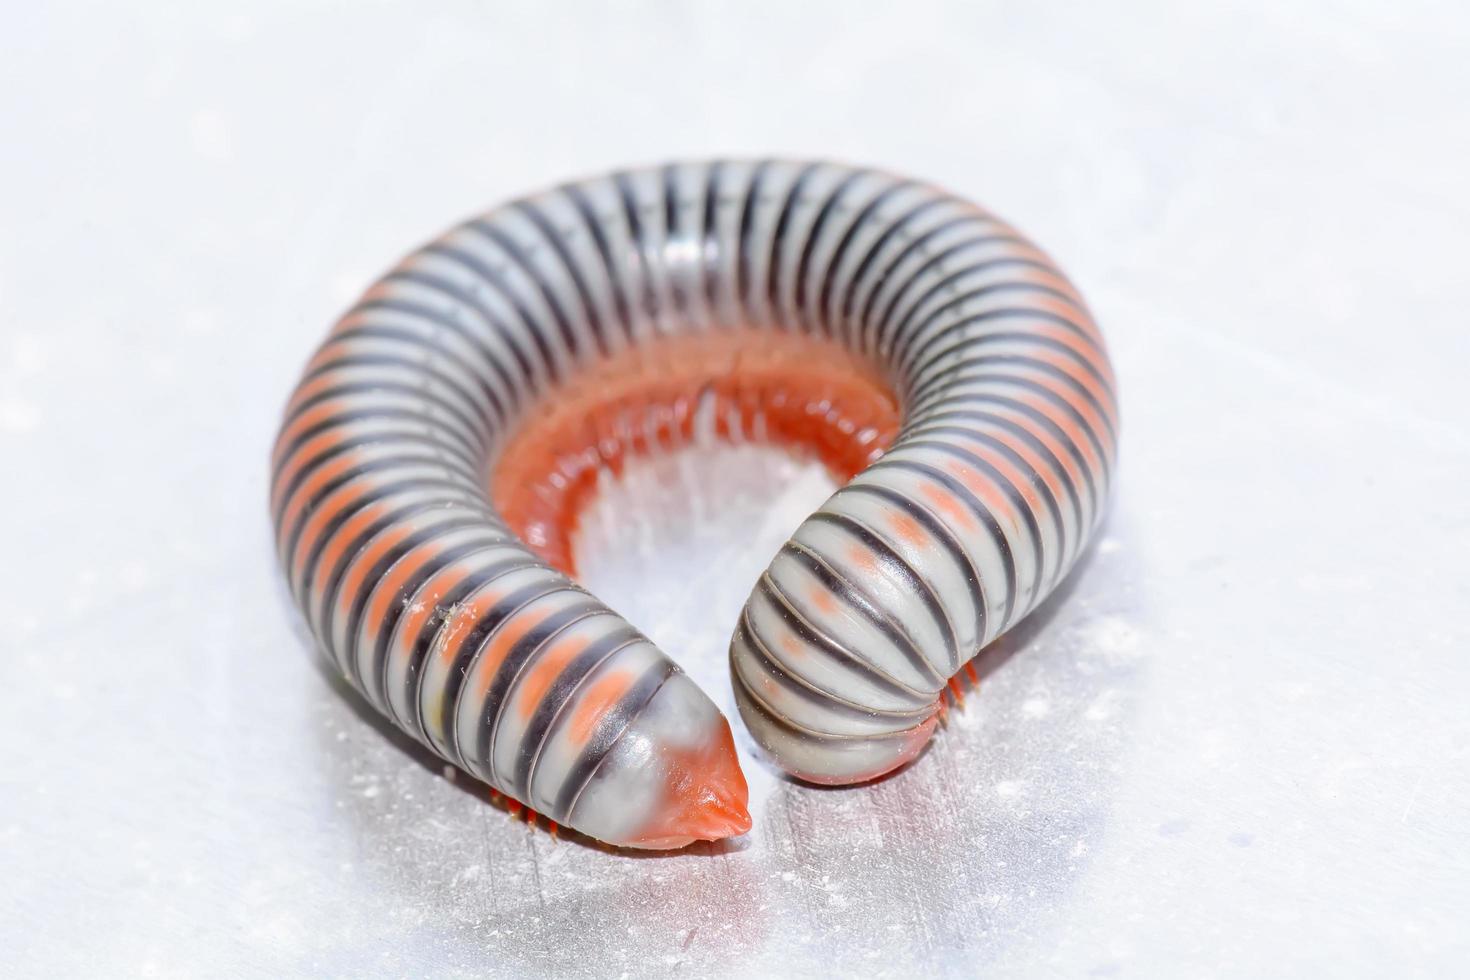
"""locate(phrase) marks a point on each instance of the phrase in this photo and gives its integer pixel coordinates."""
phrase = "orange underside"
(802, 393)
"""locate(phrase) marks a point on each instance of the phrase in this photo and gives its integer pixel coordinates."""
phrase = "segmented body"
(923, 347)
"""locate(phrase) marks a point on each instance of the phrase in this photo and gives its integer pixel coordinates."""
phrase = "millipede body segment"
(436, 454)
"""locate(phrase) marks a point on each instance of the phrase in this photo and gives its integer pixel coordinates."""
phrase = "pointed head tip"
(710, 823)
(705, 795)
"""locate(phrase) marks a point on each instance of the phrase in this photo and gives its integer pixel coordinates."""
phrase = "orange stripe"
(1089, 352)
(595, 702)
(508, 635)
(1016, 477)
(985, 490)
(1076, 310)
(457, 627)
(948, 505)
(907, 528)
(862, 558)
(388, 587)
(1042, 468)
(1068, 366)
(307, 389)
(314, 483)
(1007, 469)
(1056, 446)
(1069, 426)
(545, 669)
(1076, 314)
(302, 422)
(337, 546)
(353, 580)
(298, 460)
(328, 511)
(791, 644)
(822, 599)
(325, 353)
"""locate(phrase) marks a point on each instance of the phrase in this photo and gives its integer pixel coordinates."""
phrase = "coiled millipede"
(436, 453)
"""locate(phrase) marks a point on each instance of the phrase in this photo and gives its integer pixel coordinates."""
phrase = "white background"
(1239, 744)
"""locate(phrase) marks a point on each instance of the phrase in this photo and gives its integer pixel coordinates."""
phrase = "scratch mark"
(1413, 796)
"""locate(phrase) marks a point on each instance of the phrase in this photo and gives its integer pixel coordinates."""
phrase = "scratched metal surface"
(1237, 745)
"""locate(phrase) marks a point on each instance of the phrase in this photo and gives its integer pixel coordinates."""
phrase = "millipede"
(435, 455)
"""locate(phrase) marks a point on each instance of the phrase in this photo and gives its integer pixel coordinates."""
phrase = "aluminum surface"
(1238, 743)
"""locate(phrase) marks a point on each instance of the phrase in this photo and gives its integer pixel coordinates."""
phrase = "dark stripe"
(351, 415)
(940, 532)
(473, 644)
(347, 510)
(820, 739)
(959, 556)
(640, 241)
(516, 254)
(517, 659)
(363, 469)
(855, 597)
(1074, 451)
(811, 635)
(382, 632)
(778, 243)
(971, 363)
(327, 611)
(935, 260)
(448, 288)
(609, 729)
(901, 332)
(895, 227)
(813, 236)
(709, 255)
(558, 245)
(1033, 476)
(867, 213)
(397, 335)
(355, 547)
(1084, 364)
(599, 238)
(919, 243)
(755, 649)
(324, 456)
(962, 492)
(475, 434)
(905, 337)
(496, 325)
(446, 607)
(1022, 434)
(491, 277)
(940, 387)
(746, 250)
(469, 413)
(549, 709)
(912, 581)
(671, 231)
